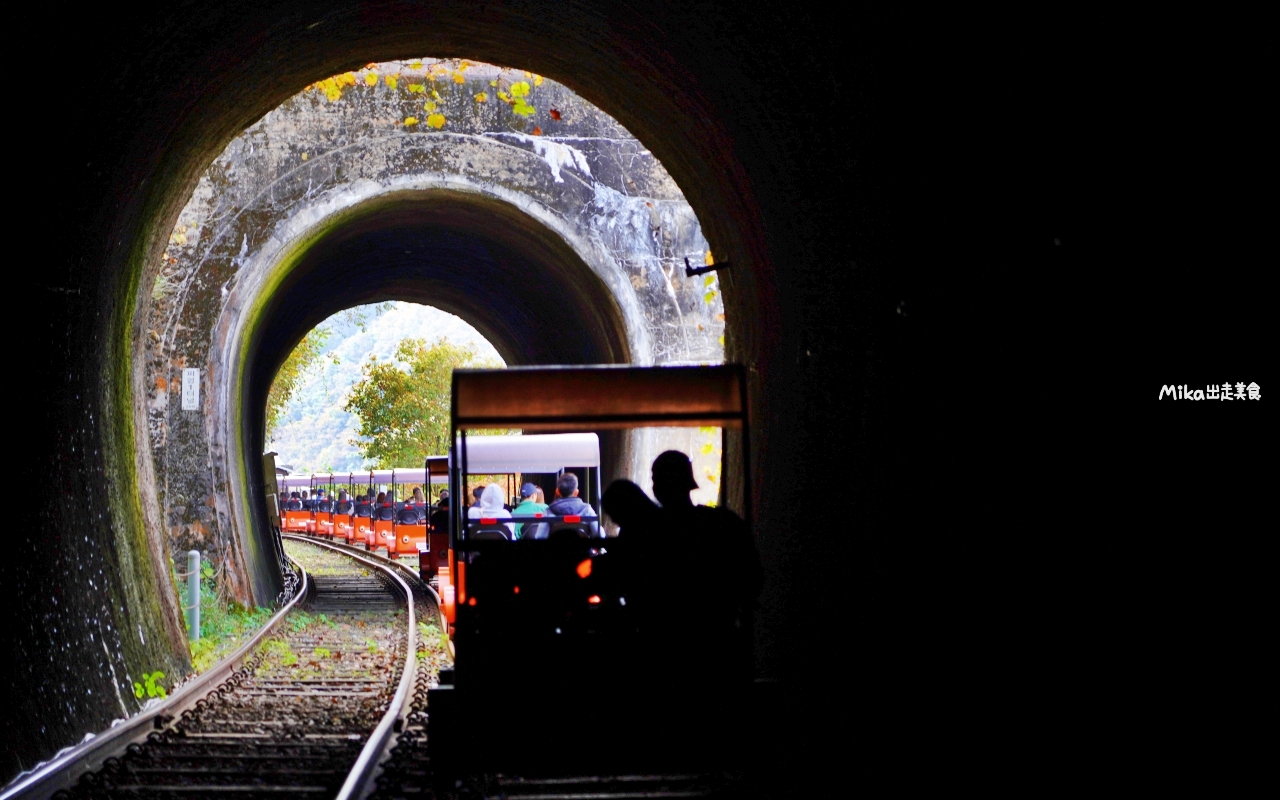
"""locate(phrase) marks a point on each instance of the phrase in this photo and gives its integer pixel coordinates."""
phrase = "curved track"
(307, 708)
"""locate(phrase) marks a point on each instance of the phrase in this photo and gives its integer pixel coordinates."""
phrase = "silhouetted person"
(478, 492)
(307, 503)
(633, 511)
(720, 575)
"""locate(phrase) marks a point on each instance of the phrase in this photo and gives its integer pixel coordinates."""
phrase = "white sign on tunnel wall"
(190, 389)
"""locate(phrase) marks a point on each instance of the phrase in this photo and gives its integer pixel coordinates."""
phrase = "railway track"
(328, 704)
(307, 709)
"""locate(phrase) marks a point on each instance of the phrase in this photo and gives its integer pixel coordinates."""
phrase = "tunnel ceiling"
(520, 285)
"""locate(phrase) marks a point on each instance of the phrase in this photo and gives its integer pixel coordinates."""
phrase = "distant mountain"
(314, 433)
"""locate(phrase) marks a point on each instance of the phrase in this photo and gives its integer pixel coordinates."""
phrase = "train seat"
(566, 530)
(409, 515)
(491, 533)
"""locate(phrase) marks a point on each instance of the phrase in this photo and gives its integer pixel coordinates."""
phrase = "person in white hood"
(490, 507)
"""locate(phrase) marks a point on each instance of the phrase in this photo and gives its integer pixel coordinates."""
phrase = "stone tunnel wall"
(393, 128)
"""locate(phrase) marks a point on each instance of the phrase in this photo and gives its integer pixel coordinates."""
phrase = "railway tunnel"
(564, 246)
(768, 176)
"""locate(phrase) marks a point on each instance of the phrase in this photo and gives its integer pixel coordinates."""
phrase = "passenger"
(567, 502)
(478, 492)
(307, 503)
(721, 559)
(490, 507)
(528, 506)
(382, 498)
(295, 502)
(440, 518)
(632, 510)
(419, 502)
(344, 503)
(386, 506)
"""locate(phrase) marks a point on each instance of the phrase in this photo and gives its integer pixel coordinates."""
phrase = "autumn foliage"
(403, 405)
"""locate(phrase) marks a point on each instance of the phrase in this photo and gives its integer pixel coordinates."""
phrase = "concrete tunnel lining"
(586, 193)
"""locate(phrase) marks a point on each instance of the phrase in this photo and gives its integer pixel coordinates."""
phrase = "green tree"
(291, 373)
(403, 405)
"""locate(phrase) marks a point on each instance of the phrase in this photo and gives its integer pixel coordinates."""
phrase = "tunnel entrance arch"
(560, 246)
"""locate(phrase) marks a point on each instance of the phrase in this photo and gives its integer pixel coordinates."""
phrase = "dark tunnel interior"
(955, 304)
(512, 278)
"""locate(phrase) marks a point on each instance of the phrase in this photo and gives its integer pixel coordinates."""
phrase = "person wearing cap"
(528, 506)
(723, 574)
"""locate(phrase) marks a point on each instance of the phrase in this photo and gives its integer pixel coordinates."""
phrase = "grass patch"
(224, 626)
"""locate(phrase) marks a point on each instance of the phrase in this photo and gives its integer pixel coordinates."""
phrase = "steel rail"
(346, 548)
(380, 741)
(63, 770)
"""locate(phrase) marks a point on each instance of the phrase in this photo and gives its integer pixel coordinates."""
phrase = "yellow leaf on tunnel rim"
(436, 121)
(458, 77)
(371, 79)
(708, 259)
(410, 121)
(482, 97)
(391, 81)
(415, 65)
(429, 106)
(537, 80)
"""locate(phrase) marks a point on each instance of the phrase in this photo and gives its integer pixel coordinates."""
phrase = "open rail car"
(397, 528)
(583, 648)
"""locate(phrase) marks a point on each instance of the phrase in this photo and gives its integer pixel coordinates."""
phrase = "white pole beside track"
(193, 594)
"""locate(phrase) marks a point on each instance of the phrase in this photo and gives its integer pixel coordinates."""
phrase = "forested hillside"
(314, 432)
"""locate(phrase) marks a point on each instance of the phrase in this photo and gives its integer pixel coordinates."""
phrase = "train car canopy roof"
(599, 397)
(322, 480)
(500, 455)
